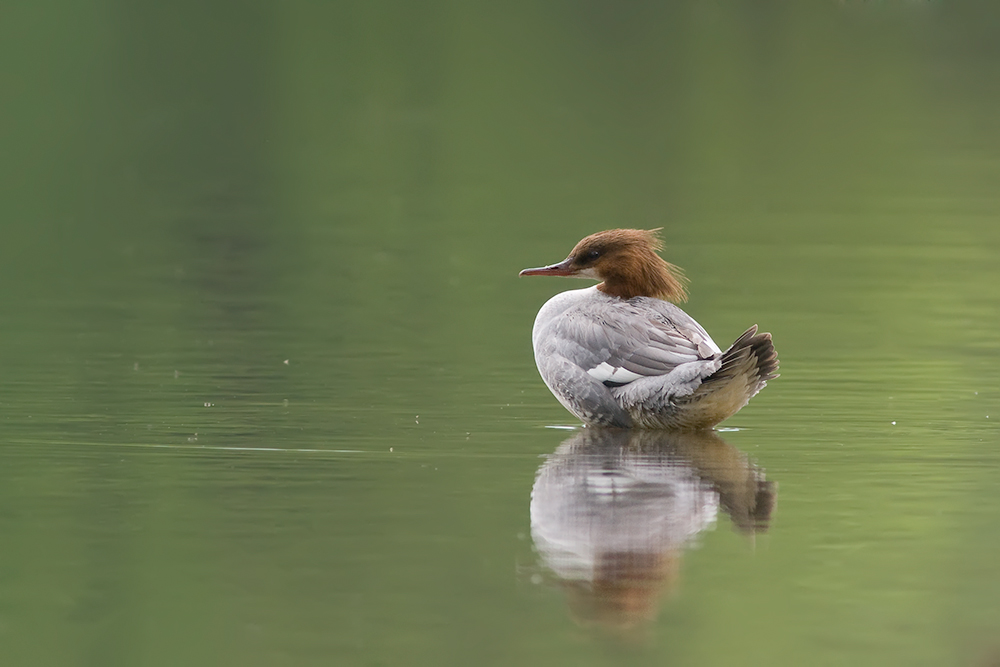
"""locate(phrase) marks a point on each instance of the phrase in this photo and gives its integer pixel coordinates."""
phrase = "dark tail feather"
(744, 369)
(753, 356)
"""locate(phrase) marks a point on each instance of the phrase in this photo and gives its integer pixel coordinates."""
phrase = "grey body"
(643, 362)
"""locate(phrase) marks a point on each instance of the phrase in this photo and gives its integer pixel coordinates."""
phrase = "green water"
(266, 386)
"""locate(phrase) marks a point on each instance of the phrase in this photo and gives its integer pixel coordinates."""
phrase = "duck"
(622, 354)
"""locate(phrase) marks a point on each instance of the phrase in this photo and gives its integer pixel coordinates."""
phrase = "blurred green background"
(266, 386)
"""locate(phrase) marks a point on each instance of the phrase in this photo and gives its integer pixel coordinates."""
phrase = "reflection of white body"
(591, 502)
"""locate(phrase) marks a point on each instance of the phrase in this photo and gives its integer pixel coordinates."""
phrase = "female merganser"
(618, 354)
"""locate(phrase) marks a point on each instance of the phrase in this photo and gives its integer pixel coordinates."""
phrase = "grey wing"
(619, 342)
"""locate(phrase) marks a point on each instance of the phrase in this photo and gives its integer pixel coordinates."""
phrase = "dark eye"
(592, 255)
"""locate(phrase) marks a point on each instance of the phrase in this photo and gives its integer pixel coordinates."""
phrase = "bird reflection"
(612, 509)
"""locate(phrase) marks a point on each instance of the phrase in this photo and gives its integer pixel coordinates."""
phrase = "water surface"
(266, 384)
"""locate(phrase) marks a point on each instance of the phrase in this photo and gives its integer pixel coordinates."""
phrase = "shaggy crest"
(627, 262)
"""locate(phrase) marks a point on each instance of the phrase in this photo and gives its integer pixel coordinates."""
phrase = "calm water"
(266, 386)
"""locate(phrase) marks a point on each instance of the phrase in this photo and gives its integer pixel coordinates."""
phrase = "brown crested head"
(627, 263)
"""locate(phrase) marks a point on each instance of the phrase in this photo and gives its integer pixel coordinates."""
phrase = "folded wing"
(618, 342)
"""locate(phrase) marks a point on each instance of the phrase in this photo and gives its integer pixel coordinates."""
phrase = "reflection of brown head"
(626, 590)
